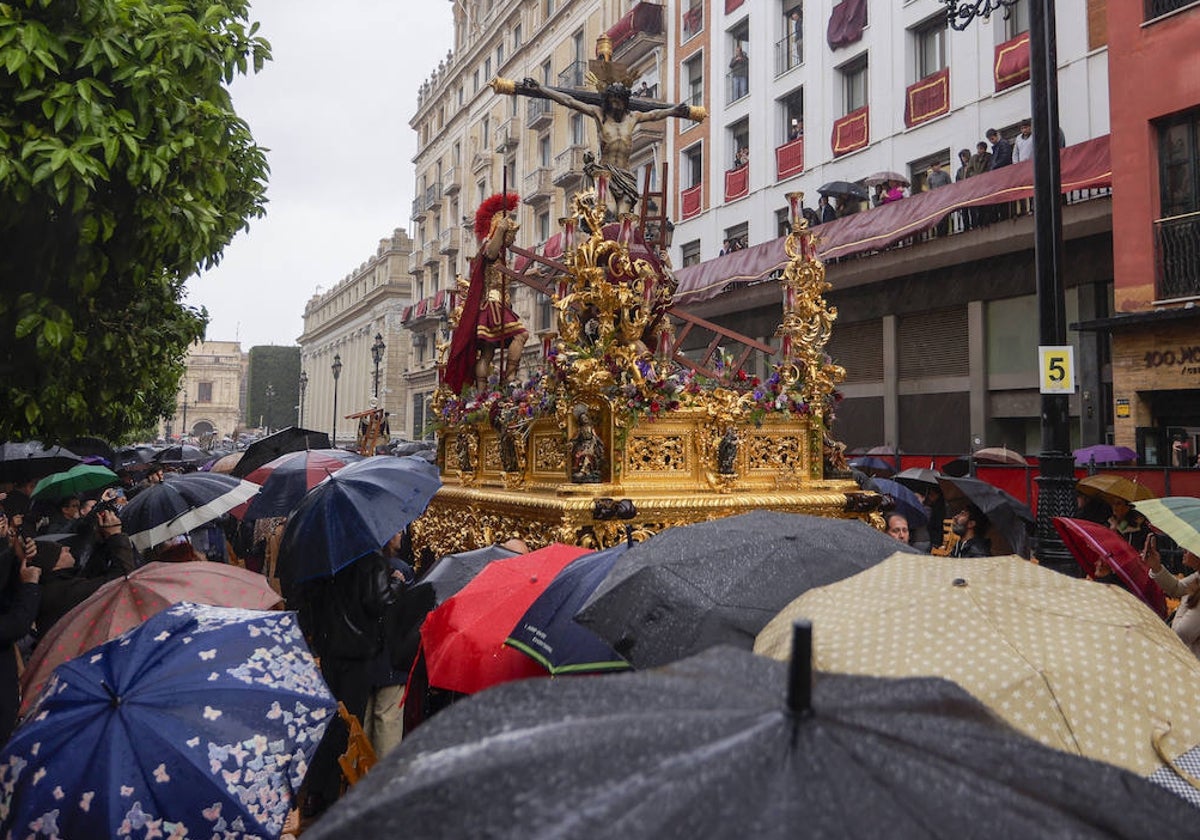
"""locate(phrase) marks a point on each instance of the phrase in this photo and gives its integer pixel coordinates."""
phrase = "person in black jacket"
(19, 598)
(970, 525)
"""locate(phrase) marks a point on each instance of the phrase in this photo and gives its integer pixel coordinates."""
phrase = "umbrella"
(873, 465)
(198, 723)
(463, 639)
(917, 478)
(226, 463)
(906, 501)
(1108, 487)
(717, 746)
(454, 571)
(719, 582)
(844, 189)
(884, 449)
(999, 455)
(264, 450)
(1176, 516)
(1092, 544)
(1012, 522)
(1103, 453)
(21, 462)
(88, 446)
(885, 177)
(132, 457)
(181, 503)
(548, 632)
(352, 513)
(81, 478)
(285, 480)
(182, 454)
(126, 602)
(1080, 667)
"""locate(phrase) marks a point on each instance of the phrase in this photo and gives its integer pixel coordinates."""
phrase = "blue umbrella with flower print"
(199, 722)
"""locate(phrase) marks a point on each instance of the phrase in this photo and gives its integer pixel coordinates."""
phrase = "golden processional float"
(619, 434)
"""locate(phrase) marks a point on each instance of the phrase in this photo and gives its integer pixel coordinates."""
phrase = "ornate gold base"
(462, 518)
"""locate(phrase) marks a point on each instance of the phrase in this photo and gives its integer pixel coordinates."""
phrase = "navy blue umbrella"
(548, 631)
(873, 465)
(179, 504)
(352, 513)
(199, 722)
(907, 502)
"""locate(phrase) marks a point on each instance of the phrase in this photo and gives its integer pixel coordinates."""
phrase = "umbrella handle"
(799, 698)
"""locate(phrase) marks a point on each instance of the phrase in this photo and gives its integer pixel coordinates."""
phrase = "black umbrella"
(133, 457)
(91, 447)
(454, 571)
(720, 582)
(919, 479)
(291, 439)
(844, 189)
(1012, 522)
(31, 460)
(181, 503)
(183, 455)
(720, 746)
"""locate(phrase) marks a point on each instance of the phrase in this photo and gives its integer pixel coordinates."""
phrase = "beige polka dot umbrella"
(1078, 665)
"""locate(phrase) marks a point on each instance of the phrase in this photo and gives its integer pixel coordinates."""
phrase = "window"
(461, 94)
(919, 170)
(480, 194)
(577, 46)
(543, 226)
(544, 150)
(487, 67)
(693, 74)
(854, 84)
(929, 41)
(789, 50)
(1179, 164)
(691, 253)
(739, 143)
(456, 154)
(546, 73)
(739, 63)
(204, 392)
(693, 165)
(499, 55)
(545, 311)
(475, 81)
(783, 222)
(792, 127)
(693, 19)
(737, 236)
(516, 36)
(1017, 20)
(578, 137)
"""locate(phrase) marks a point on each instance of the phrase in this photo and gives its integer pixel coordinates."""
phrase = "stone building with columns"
(342, 324)
(211, 394)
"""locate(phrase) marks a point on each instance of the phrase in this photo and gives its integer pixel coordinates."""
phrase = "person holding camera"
(1186, 621)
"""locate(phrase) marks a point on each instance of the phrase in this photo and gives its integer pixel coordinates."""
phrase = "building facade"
(1155, 328)
(211, 394)
(340, 329)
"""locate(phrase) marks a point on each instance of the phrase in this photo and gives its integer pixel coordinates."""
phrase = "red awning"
(1084, 166)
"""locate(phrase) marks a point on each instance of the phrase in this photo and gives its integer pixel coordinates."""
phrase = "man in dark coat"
(1001, 149)
(970, 525)
(19, 598)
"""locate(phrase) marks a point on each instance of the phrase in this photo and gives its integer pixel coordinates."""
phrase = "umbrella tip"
(799, 698)
(112, 695)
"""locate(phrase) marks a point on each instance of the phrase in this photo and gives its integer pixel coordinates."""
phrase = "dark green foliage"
(278, 367)
(123, 171)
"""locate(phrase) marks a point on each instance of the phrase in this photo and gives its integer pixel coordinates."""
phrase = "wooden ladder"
(654, 211)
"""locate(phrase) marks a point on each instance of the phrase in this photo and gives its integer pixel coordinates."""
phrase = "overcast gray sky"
(333, 108)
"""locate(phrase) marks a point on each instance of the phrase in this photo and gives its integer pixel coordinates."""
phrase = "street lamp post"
(377, 356)
(303, 387)
(270, 393)
(336, 367)
(183, 430)
(1056, 475)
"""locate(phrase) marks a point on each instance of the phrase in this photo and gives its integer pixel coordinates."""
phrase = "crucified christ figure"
(616, 123)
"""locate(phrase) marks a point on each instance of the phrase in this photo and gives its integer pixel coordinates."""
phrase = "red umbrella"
(286, 479)
(463, 639)
(1092, 543)
(126, 602)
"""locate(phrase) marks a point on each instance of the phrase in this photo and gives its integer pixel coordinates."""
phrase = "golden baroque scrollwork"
(657, 453)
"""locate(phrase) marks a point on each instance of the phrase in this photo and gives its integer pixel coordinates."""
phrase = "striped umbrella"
(1176, 516)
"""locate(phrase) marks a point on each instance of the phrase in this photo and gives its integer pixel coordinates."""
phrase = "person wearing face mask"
(970, 526)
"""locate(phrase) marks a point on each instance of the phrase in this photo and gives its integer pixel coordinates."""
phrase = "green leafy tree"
(124, 170)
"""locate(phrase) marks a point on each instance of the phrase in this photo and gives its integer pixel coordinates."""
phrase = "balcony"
(429, 253)
(433, 197)
(450, 241)
(689, 201)
(1159, 8)
(575, 76)
(538, 114)
(451, 181)
(737, 182)
(568, 167)
(418, 211)
(1177, 256)
(481, 162)
(789, 53)
(789, 159)
(927, 98)
(508, 134)
(737, 85)
(638, 33)
(1012, 62)
(647, 135)
(693, 22)
(852, 131)
(538, 186)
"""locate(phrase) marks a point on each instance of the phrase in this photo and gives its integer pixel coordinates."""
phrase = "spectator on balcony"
(893, 191)
(937, 176)
(1023, 144)
(981, 161)
(1002, 150)
(725, 248)
(643, 90)
(739, 72)
(741, 158)
(796, 129)
(826, 210)
(795, 37)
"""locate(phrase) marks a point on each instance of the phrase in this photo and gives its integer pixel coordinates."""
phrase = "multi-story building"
(340, 329)
(938, 333)
(1155, 106)
(472, 143)
(210, 404)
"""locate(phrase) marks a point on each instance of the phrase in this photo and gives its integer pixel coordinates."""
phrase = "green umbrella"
(79, 479)
(1176, 516)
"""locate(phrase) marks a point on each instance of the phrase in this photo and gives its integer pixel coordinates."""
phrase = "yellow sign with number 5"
(1057, 366)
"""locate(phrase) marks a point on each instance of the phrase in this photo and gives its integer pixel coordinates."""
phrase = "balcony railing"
(538, 187)
(430, 252)
(450, 240)
(418, 211)
(737, 182)
(451, 181)
(507, 135)
(575, 76)
(789, 158)
(637, 33)
(433, 196)
(789, 53)
(538, 113)
(1158, 8)
(737, 85)
(1177, 256)
(689, 201)
(481, 162)
(568, 167)
(693, 21)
